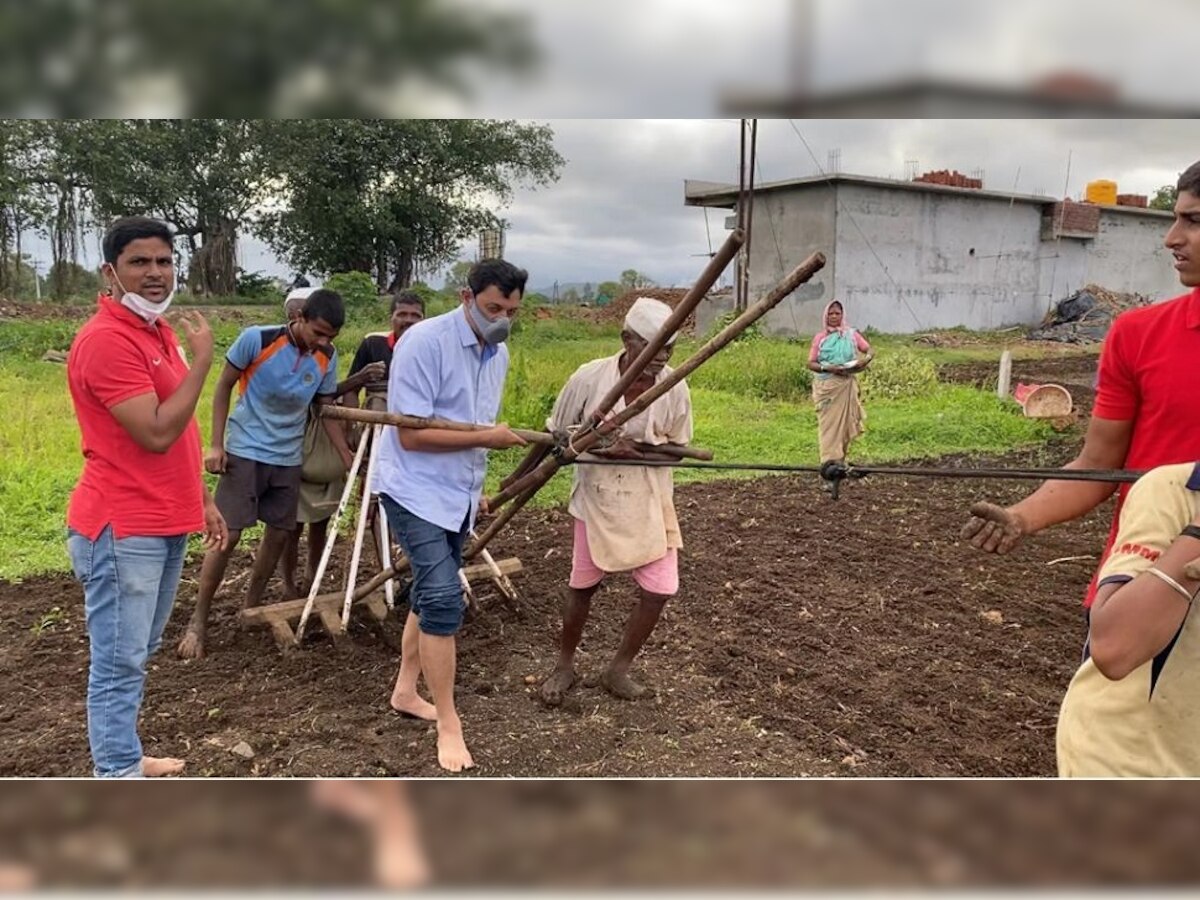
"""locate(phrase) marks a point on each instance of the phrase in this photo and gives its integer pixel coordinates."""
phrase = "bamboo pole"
(506, 514)
(385, 548)
(674, 451)
(581, 443)
(375, 417)
(332, 536)
(684, 308)
(524, 488)
(364, 512)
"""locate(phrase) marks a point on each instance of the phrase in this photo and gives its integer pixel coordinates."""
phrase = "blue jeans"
(436, 556)
(128, 590)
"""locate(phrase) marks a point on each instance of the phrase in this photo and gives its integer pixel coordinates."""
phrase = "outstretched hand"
(994, 529)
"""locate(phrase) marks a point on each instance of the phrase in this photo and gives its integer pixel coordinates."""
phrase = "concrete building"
(909, 256)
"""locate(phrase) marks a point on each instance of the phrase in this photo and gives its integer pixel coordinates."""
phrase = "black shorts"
(250, 491)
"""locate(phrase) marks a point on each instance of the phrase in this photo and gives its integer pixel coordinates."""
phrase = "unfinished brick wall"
(950, 179)
(1067, 215)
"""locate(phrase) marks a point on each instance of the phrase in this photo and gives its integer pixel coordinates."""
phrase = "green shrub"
(357, 290)
(766, 369)
(750, 335)
(897, 374)
(254, 287)
(436, 302)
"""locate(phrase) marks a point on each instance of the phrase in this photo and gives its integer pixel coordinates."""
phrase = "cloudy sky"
(677, 57)
(619, 203)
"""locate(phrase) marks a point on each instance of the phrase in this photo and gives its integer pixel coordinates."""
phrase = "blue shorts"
(436, 557)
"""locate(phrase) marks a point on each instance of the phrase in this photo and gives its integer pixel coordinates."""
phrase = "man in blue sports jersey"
(280, 370)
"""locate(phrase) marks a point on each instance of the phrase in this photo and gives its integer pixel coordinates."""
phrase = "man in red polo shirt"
(140, 493)
(1147, 406)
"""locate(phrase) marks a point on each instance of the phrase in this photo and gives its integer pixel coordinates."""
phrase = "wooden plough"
(540, 463)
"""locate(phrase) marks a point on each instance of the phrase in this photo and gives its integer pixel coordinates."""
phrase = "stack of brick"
(950, 179)
(1069, 216)
(1140, 200)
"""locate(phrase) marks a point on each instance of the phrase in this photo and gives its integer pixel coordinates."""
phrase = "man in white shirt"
(624, 515)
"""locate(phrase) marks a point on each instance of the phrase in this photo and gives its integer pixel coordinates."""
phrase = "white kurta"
(629, 510)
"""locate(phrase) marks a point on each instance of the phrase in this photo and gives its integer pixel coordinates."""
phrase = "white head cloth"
(299, 293)
(646, 317)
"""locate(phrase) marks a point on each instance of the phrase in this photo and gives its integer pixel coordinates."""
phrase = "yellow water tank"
(1101, 191)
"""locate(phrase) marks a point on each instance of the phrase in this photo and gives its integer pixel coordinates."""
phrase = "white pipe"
(329, 540)
(364, 510)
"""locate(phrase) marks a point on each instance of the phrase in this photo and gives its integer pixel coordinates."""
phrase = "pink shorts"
(658, 577)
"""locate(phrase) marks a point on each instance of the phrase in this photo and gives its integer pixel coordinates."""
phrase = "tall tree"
(381, 196)
(203, 176)
(608, 290)
(632, 278)
(456, 277)
(1164, 198)
(60, 180)
(22, 199)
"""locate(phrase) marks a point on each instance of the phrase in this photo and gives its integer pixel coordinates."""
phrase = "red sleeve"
(114, 371)
(861, 343)
(1117, 395)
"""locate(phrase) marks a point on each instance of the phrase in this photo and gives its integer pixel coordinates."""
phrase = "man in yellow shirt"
(1131, 709)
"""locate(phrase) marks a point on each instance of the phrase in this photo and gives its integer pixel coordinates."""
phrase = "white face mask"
(140, 305)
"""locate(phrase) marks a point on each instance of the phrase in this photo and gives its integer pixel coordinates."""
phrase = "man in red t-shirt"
(1147, 406)
(140, 493)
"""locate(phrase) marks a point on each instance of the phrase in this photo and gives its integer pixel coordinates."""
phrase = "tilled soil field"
(810, 638)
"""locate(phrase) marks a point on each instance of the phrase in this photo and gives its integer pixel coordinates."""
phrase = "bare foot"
(16, 878)
(559, 682)
(415, 706)
(400, 860)
(192, 645)
(161, 766)
(453, 755)
(622, 686)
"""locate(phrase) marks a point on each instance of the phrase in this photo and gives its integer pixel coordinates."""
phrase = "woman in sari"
(834, 357)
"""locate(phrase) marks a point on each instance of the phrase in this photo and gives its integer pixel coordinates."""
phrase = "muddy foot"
(161, 766)
(557, 685)
(623, 686)
(414, 706)
(192, 645)
(453, 755)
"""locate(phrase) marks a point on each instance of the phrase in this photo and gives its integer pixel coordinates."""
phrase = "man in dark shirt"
(407, 310)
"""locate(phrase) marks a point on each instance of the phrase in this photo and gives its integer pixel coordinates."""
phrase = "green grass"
(751, 405)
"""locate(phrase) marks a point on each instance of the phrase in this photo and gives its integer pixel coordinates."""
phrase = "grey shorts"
(250, 491)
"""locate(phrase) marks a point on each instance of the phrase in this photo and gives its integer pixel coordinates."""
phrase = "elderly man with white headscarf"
(624, 515)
